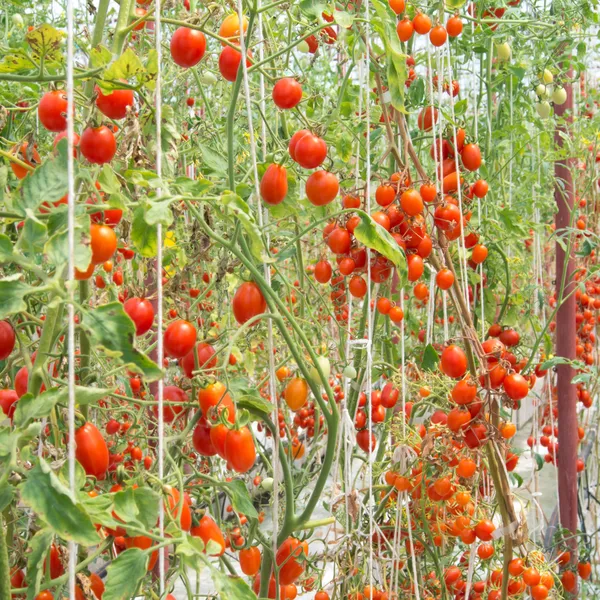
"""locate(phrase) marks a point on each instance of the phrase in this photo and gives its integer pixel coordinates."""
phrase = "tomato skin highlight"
(91, 450)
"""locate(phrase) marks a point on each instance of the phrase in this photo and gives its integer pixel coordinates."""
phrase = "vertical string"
(71, 278)
(159, 286)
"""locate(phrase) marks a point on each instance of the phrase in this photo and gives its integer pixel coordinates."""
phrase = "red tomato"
(98, 145)
(201, 439)
(248, 302)
(274, 184)
(185, 521)
(103, 243)
(179, 338)
(97, 585)
(215, 395)
(250, 559)
(207, 359)
(209, 531)
(291, 558)
(515, 386)
(321, 187)
(308, 150)
(171, 393)
(287, 93)
(114, 105)
(7, 339)
(52, 111)
(8, 399)
(453, 361)
(187, 47)
(141, 312)
(240, 450)
(229, 62)
(143, 543)
(91, 450)
(21, 381)
(323, 271)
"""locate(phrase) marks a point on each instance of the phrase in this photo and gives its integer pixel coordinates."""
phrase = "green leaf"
(45, 41)
(89, 395)
(125, 574)
(460, 108)
(214, 161)
(312, 8)
(100, 56)
(57, 247)
(137, 506)
(343, 18)
(193, 187)
(232, 588)
(125, 68)
(374, 236)
(539, 461)
(113, 331)
(143, 237)
(343, 146)
(48, 183)
(31, 407)
(240, 498)
(7, 493)
(6, 249)
(430, 358)
(159, 211)
(15, 63)
(108, 180)
(12, 294)
(242, 211)
(44, 493)
(32, 237)
(396, 75)
(148, 77)
(38, 547)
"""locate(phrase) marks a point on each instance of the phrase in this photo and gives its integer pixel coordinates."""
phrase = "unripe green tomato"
(349, 372)
(325, 367)
(17, 20)
(207, 78)
(559, 96)
(303, 46)
(543, 109)
(541, 90)
(503, 51)
(547, 76)
(267, 484)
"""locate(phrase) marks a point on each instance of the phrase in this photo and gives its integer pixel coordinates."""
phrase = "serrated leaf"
(6, 249)
(396, 76)
(240, 497)
(312, 8)
(12, 294)
(47, 183)
(124, 574)
(230, 587)
(374, 236)
(137, 506)
(193, 187)
(46, 41)
(143, 237)
(159, 211)
(343, 18)
(57, 246)
(214, 161)
(44, 493)
(38, 547)
(7, 493)
(113, 331)
(15, 63)
(30, 407)
(32, 237)
(108, 180)
(125, 68)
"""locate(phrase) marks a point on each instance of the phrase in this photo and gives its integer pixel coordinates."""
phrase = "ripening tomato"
(215, 395)
(427, 117)
(208, 531)
(453, 361)
(454, 26)
(141, 312)
(422, 23)
(384, 195)
(29, 156)
(175, 505)
(52, 110)
(229, 62)
(287, 93)
(45, 595)
(207, 359)
(405, 29)
(201, 439)
(240, 450)
(187, 47)
(179, 338)
(248, 302)
(291, 558)
(171, 393)
(464, 392)
(91, 450)
(444, 279)
(7, 339)
(398, 7)
(308, 150)
(484, 530)
(103, 243)
(114, 105)
(274, 184)
(98, 145)
(438, 36)
(230, 28)
(143, 543)
(296, 393)
(97, 585)
(218, 437)
(250, 559)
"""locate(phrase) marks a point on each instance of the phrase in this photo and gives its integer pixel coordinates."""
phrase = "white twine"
(159, 287)
(71, 278)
